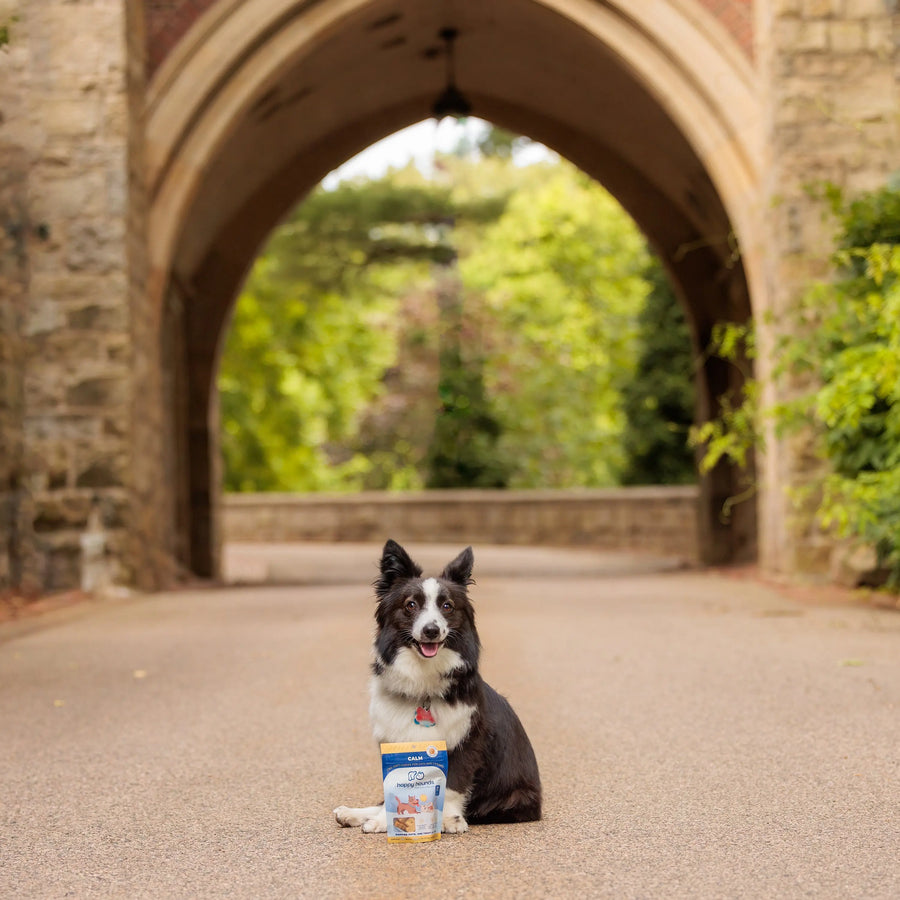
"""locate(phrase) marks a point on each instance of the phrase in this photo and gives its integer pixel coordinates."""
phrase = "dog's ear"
(460, 570)
(395, 566)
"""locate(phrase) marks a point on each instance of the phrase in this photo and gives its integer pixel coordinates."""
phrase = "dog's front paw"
(455, 825)
(371, 818)
(347, 817)
(454, 821)
(375, 825)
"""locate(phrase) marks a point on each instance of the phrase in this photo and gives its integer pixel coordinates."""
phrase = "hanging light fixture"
(451, 102)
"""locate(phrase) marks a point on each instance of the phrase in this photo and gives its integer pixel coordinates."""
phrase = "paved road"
(698, 736)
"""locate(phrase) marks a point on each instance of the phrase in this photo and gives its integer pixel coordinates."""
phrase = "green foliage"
(735, 431)
(4, 32)
(560, 274)
(313, 333)
(297, 367)
(658, 401)
(463, 450)
(362, 355)
(846, 345)
(853, 340)
(499, 142)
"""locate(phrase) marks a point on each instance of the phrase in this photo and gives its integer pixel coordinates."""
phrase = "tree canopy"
(480, 327)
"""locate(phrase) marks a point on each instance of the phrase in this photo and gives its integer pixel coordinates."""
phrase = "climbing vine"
(845, 346)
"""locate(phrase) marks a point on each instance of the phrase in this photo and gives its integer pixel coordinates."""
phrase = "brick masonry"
(659, 520)
(168, 20)
(737, 17)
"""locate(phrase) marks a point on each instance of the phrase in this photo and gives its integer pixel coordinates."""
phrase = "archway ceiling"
(521, 65)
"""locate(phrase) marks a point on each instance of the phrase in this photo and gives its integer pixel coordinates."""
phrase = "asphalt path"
(699, 736)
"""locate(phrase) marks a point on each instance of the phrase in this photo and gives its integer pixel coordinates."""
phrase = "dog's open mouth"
(428, 650)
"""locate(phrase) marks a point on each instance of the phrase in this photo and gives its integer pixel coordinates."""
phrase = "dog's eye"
(411, 605)
(446, 606)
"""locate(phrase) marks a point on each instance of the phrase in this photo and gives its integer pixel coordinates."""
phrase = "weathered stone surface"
(660, 520)
(833, 101)
(101, 474)
(96, 380)
(64, 115)
(95, 317)
(61, 512)
(101, 392)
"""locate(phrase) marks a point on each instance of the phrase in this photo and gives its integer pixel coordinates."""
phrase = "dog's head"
(425, 614)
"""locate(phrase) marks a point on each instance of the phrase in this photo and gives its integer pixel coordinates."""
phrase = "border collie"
(425, 685)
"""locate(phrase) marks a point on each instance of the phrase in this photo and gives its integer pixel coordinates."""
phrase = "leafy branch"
(843, 359)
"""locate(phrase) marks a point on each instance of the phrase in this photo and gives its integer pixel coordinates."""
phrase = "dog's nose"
(431, 631)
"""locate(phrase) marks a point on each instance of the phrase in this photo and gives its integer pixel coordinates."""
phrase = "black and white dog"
(426, 686)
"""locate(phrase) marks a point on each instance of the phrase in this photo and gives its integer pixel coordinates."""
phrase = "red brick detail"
(168, 20)
(737, 17)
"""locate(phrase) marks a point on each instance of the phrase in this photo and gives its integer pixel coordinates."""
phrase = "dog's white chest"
(401, 689)
(393, 720)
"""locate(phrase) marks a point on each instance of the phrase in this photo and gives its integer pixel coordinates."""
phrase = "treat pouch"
(415, 783)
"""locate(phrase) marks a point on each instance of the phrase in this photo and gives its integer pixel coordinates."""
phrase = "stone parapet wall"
(657, 520)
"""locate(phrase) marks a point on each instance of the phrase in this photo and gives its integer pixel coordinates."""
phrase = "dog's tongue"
(430, 649)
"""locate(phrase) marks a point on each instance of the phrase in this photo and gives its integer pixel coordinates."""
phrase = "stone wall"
(96, 406)
(656, 520)
(830, 77)
(14, 229)
(151, 547)
(66, 67)
(13, 295)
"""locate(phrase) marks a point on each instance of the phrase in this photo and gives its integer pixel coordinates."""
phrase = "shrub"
(846, 344)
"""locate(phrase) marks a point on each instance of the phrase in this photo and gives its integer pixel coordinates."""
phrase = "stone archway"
(259, 101)
(130, 210)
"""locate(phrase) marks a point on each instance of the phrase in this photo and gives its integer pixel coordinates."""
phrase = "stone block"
(846, 37)
(44, 316)
(77, 286)
(97, 317)
(867, 97)
(865, 9)
(880, 37)
(818, 9)
(61, 512)
(95, 246)
(811, 35)
(66, 194)
(855, 566)
(786, 7)
(72, 117)
(102, 473)
(61, 568)
(102, 392)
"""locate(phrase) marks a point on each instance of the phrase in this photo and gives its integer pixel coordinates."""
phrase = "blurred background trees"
(489, 325)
